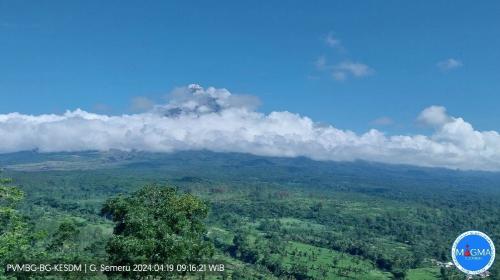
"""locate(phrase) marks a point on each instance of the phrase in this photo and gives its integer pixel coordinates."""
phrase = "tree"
(156, 225)
(300, 271)
(64, 239)
(243, 249)
(14, 237)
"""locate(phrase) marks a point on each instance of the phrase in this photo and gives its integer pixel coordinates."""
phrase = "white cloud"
(344, 69)
(332, 41)
(434, 116)
(216, 120)
(449, 64)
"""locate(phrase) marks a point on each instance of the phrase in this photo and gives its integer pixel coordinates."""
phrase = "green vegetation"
(14, 241)
(157, 226)
(263, 218)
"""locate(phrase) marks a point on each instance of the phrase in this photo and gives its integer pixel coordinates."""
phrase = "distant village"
(448, 265)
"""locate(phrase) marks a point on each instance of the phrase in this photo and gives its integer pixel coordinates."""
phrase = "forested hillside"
(263, 218)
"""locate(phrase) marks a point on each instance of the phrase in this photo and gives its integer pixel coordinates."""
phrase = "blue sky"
(99, 55)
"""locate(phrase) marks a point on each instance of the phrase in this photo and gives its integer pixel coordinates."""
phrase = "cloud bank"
(216, 120)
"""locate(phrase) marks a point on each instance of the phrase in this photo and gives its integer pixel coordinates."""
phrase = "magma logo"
(473, 252)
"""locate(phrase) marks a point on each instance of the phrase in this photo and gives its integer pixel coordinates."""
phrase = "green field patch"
(296, 223)
(322, 263)
(220, 234)
(423, 274)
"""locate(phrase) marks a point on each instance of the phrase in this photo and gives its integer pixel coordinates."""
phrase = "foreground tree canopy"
(154, 225)
(157, 225)
(13, 229)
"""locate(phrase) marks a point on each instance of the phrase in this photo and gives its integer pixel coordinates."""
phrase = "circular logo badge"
(473, 252)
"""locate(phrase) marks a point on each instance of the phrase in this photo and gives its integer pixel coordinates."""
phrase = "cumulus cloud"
(449, 64)
(214, 119)
(434, 116)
